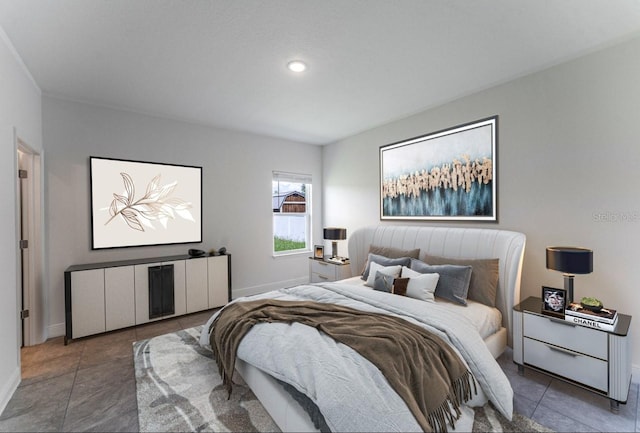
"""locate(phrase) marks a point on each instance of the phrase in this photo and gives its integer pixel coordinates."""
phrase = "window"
(291, 199)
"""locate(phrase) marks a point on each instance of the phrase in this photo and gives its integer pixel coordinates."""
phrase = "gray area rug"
(179, 389)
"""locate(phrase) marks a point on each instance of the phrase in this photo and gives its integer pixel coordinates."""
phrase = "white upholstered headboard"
(467, 243)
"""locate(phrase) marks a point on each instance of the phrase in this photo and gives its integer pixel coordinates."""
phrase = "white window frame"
(301, 179)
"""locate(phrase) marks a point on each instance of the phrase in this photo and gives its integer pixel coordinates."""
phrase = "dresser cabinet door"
(119, 297)
(142, 291)
(179, 286)
(197, 285)
(218, 270)
(87, 302)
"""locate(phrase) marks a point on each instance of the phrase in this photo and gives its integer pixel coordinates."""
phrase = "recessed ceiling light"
(297, 66)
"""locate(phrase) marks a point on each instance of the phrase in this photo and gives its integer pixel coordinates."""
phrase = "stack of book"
(337, 260)
(604, 319)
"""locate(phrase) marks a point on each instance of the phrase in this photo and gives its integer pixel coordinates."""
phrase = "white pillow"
(421, 286)
(394, 271)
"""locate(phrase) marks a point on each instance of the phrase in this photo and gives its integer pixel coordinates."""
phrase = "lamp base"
(568, 286)
(334, 249)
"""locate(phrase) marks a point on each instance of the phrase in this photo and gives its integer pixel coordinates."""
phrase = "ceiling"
(223, 63)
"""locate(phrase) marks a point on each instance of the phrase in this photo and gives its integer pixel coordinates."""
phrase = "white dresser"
(597, 360)
(101, 297)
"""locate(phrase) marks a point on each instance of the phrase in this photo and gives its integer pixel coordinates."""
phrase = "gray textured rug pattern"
(179, 389)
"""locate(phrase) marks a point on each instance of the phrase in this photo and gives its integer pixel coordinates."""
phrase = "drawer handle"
(561, 350)
(323, 277)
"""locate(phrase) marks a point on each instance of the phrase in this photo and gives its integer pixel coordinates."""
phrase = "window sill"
(292, 253)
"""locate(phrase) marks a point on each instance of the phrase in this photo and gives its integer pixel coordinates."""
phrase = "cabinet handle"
(323, 277)
(561, 350)
(323, 263)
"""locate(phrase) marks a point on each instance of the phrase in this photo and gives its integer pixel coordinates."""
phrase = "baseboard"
(255, 290)
(9, 388)
(56, 330)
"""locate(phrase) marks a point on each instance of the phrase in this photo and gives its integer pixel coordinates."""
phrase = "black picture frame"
(554, 301)
(446, 175)
(318, 252)
(141, 203)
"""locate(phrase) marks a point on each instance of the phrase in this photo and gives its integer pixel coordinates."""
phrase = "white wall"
(568, 166)
(20, 117)
(237, 171)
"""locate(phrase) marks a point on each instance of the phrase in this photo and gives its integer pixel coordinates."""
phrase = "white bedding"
(330, 369)
(485, 319)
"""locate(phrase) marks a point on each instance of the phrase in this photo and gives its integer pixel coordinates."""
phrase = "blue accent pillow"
(384, 261)
(453, 283)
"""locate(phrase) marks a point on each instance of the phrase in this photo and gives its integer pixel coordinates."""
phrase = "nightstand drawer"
(320, 278)
(321, 271)
(572, 365)
(323, 268)
(591, 342)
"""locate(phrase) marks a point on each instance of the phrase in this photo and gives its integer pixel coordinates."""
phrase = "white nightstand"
(323, 271)
(597, 360)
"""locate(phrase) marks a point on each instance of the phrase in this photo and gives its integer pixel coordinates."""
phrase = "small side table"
(323, 271)
(597, 360)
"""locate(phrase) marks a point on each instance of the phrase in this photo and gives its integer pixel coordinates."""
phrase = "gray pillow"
(390, 284)
(453, 283)
(384, 261)
(483, 286)
(391, 253)
(383, 282)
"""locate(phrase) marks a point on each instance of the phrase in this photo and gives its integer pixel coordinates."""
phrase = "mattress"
(487, 320)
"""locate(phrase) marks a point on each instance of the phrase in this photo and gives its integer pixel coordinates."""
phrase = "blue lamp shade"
(570, 260)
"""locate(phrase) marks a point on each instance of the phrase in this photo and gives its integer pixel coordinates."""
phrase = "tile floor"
(89, 385)
(567, 408)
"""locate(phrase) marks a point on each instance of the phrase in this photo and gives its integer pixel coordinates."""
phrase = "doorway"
(30, 291)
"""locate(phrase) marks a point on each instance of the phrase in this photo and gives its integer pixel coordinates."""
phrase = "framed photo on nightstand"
(318, 252)
(554, 301)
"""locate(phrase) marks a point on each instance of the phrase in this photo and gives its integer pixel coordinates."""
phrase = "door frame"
(30, 195)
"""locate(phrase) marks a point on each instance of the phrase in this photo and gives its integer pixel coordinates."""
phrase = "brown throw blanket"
(425, 372)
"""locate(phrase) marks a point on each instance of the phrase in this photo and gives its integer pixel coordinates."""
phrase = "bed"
(478, 332)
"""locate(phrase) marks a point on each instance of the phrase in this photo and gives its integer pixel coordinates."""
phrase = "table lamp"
(570, 261)
(335, 234)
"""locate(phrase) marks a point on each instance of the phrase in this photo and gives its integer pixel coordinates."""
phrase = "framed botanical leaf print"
(135, 203)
